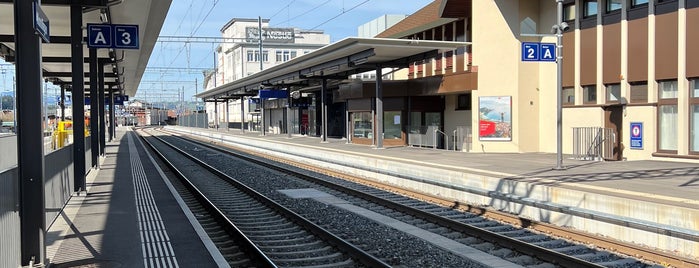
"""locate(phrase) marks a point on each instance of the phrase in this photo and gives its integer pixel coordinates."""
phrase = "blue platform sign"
(533, 51)
(547, 52)
(99, 36)
(636, 135)
(530, 51)
(119, 36)
(126, 36)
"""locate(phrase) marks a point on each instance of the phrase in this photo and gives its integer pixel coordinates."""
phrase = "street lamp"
(558, 29)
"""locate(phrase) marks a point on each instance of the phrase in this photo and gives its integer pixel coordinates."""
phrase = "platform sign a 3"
(126, 36)
(636, 135)
(121, 36)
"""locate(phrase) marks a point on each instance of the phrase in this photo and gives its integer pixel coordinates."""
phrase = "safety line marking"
(155, 243)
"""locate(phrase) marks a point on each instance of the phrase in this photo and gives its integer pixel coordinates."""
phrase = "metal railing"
(593, 143)
(433, 137)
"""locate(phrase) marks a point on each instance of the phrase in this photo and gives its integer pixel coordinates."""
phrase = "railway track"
(484, 234)
(271, 234)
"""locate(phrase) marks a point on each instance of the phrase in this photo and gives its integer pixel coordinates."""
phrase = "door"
(614, 116)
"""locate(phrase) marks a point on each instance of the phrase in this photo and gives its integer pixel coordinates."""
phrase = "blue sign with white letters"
(533, 51)
(636, 135)
(112, 36)
(126, 36)
(99, 36)
(547, 52)
(530, 51)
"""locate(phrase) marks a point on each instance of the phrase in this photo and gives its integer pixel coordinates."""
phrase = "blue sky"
(338, 18)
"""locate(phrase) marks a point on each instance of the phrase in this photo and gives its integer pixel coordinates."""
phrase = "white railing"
(593, 143)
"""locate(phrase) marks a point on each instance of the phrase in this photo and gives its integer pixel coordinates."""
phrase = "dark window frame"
(607, 93)
(463, 102)
(585, 12)
(632, 90)
(608, 5)
(585, 96)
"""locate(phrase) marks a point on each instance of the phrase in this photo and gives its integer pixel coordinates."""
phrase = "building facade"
(239, 56)
(628, 68)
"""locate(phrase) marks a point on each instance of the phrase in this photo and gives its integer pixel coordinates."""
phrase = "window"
(463, 102)
(254, 56)
(569, 12)
(362, 125)
(613, 93)
(668, 89)
(639, 92)
(590, 94)
(636, 3)
(613, 5)
(251, 56)
(392, 127)
(568, 96)
(590, 8)
(667, 116)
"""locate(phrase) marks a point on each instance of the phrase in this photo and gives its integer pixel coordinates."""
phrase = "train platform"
(128, 217)
(650, 202)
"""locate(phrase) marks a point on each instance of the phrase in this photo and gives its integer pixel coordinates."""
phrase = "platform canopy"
(335, 61)
(123, 68)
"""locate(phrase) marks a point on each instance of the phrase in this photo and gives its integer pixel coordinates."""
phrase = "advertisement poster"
(495, 122)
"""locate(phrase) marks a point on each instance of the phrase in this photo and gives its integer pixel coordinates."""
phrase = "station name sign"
(41, 22)
(277, 35)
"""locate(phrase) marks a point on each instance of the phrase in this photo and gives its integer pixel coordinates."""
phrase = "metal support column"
(30, 140)
(559, 88)
(78, 92)
(228, 122)
(289, 129)
(262, 117)
(215, 114)
(324, 110)
(94, 127)
(101, 108)
(242, 114)
(112, 115)
(63, 102)
(378, 127)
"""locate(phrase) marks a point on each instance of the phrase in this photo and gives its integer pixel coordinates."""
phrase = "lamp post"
(559, 27)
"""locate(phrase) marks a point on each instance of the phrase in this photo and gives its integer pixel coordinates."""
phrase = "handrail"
(446, 139)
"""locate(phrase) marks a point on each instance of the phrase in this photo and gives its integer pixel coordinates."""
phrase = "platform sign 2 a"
(112, 36)
(636, 135)
(533, 51)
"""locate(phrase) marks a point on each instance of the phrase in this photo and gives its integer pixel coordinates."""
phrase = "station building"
(629, 80)
(238, 56)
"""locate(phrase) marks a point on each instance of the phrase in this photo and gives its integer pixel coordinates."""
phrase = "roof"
(421, 20)
(337, 60)
(149, 15)
(234, 20)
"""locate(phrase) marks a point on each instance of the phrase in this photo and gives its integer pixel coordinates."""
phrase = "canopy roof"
(335, 61)
(123, 69)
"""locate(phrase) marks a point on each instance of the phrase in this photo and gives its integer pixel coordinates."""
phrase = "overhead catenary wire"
(338, 15)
